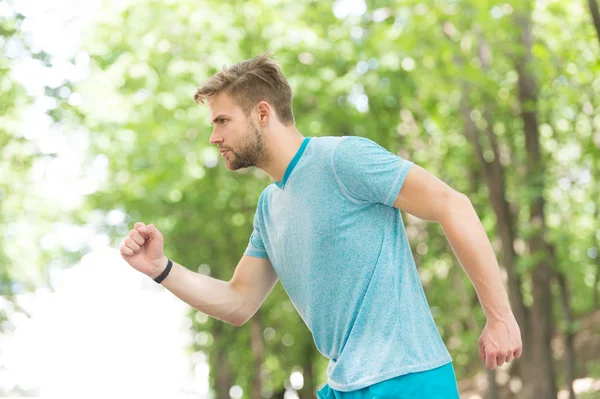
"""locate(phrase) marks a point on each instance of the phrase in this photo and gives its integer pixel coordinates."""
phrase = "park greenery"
(499, 100)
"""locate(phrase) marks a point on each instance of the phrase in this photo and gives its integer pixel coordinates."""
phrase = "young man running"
(330, 228)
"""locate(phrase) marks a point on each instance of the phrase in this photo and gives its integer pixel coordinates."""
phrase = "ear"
(264, 111)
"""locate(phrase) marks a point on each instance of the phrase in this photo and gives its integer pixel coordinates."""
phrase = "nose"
(214, 138)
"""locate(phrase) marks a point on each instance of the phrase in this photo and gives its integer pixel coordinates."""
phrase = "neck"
(281, 146)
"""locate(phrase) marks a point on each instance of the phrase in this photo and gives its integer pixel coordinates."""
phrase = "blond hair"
(249, 82)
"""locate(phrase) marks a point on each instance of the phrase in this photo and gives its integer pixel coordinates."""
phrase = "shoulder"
(336, 146)
(355, 144)
(324, 144)
(265, 194)
(262, 205)
(355, 150)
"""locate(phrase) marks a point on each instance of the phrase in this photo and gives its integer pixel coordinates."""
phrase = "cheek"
(228, 132)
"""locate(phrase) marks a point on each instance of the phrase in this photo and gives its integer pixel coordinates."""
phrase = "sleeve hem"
(402, 173)
(256, 254)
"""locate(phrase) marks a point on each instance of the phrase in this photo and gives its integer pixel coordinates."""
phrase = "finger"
(126, 251)
(145, 231)
(137, 237)
(142, 229)
(481, 352)
(500, 360)
(132, 244)
(490, 360)
(509, 358)
(153, 231)
(518, 352)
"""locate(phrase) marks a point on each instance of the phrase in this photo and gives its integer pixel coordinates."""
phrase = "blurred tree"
(449, 85)
(15, 161)
(593, 6)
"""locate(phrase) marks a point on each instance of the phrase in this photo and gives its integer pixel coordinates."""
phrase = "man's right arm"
(233, 301)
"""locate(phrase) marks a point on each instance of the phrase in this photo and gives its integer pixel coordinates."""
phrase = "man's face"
(239, 139)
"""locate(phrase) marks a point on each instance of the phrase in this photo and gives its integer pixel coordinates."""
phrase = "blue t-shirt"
(340, 250)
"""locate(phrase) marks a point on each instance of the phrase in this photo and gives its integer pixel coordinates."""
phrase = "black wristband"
(165, 272)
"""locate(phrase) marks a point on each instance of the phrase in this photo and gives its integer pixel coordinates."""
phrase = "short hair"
(249, 82)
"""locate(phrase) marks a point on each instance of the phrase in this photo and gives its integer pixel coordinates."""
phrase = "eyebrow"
(218, 117)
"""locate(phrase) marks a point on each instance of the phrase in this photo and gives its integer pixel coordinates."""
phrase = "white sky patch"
(105, 328)
(345, 8)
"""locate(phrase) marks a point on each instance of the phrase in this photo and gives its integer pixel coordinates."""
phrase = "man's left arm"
(427, 197)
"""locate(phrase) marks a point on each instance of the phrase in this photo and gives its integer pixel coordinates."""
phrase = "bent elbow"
(461, 199)
(238, 322)
(456, 204)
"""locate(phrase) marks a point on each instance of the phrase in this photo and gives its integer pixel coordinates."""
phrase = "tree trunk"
(493, 176)
(496, 184)
(222, 372)
(569, 333)
(495, 180)
(471, 132)
(593, 5)
(258, 350)
(543, 383)
(493, 391)
(595, 239)
(309, 388)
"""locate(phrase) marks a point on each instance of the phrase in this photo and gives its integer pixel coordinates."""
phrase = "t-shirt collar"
(292, 164)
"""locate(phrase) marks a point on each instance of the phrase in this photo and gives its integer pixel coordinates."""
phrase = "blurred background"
(99, 130)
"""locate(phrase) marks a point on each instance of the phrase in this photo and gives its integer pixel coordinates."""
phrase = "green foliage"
(413, 61)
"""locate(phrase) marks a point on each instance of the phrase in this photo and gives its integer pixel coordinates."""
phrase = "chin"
(236, 167)
(233, 166)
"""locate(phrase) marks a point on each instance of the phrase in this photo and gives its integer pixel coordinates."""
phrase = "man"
(330, 228)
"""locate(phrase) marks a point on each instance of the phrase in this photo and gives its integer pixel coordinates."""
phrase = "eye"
(222, 120)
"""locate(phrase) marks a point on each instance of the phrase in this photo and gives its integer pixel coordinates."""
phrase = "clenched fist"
(143, 250)
(500, 341)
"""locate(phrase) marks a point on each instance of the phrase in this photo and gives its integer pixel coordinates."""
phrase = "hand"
(500, 341)
(143, 250)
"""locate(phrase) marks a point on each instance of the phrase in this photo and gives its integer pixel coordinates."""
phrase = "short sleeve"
(256, 246)
(367, 172)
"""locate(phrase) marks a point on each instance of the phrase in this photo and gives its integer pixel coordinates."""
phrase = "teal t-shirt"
(340, 250)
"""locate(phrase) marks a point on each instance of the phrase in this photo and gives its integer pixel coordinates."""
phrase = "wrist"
(500, 315)
(158, 268)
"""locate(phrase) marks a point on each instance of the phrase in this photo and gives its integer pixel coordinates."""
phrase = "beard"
(250, 153)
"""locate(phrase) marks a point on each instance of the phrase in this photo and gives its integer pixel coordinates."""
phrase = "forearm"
(474, 251)
(209, 295)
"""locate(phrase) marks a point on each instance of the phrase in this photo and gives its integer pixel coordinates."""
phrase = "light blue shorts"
(437, 383)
